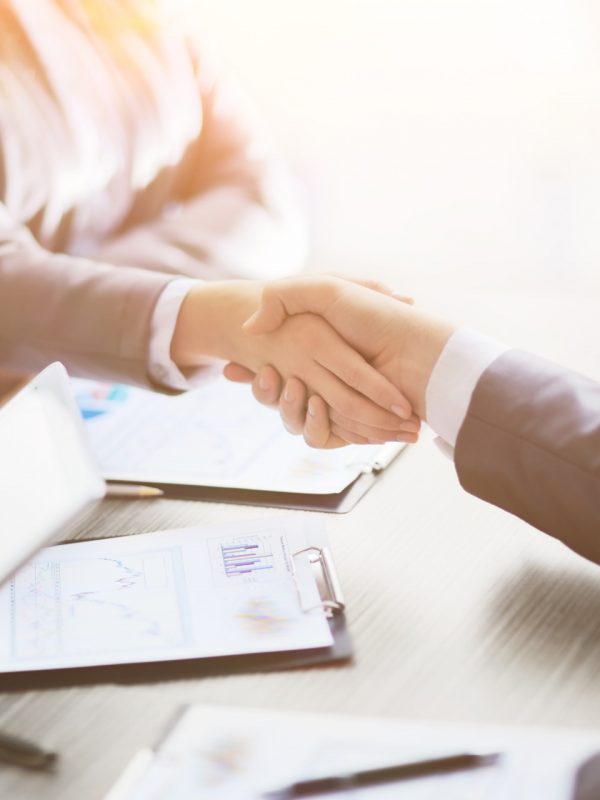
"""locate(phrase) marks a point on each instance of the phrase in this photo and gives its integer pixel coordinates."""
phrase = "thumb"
(306, 294)
(293, 296)
(270, 314)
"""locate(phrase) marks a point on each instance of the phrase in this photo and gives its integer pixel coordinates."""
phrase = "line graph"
(99, 604)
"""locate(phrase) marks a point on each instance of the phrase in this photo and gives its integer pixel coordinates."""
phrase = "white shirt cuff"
(463, 361)
(161, 367)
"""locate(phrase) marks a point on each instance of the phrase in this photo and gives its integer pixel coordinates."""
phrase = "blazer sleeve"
(530, 443)
(93, 317)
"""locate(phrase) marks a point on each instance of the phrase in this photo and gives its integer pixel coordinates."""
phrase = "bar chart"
(247, 556)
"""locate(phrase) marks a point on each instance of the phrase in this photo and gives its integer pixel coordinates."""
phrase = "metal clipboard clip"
(333, 603)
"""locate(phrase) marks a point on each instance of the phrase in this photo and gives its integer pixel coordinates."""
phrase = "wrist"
(210, 322)
(418, 341)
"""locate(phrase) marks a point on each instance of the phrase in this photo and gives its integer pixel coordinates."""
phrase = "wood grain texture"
(458, 612)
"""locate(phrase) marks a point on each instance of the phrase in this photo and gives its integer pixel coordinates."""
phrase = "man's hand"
(210, 323)
(311, 416)
(399, 341)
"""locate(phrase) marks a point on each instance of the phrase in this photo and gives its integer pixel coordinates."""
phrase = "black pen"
(22, 753)
(371, 777)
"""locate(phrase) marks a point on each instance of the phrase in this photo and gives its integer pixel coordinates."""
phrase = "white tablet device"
(48, 474)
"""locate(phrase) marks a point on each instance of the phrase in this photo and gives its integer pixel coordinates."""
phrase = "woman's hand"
(361, 400)
(402, 343)
(302, 414)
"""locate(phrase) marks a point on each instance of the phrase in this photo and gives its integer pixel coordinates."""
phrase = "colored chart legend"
(247, 556)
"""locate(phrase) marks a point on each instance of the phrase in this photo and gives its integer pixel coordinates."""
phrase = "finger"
(292, 405)
(353, 370)
(267, 386)
(317, 432)
(346, 401)
(352, 438)
(238, 374)
(412, 425)
(348, 436)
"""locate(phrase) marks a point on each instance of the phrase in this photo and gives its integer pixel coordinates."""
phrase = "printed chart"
(97, 399)
(204, 433)
(99, 604)
(249, 559)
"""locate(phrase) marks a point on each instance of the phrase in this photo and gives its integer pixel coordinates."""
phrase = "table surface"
(457, 610)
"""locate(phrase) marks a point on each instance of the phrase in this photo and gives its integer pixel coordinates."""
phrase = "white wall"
(437, 137)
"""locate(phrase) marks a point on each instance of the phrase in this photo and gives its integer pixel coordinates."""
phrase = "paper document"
(216, 436)
(190, 593)
(240, 754)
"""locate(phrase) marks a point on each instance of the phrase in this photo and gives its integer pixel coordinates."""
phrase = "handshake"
(345, 362)
(348, 362)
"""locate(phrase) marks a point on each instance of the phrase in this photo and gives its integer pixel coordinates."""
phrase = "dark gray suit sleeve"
(530, 444)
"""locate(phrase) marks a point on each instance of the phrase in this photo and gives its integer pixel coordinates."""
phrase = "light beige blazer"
(122, 164)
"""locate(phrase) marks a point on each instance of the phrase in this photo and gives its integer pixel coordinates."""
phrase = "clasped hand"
(312, 364)
(400, 344)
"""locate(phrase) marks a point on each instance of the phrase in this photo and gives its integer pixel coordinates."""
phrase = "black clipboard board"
(339, 503)
(340, 652)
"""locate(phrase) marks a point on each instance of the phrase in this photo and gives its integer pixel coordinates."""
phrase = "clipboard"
(216, 444)
(338, 652)
(276, 749)
(337, 503)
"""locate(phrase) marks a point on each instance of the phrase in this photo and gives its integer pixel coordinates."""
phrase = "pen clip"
(334, 602)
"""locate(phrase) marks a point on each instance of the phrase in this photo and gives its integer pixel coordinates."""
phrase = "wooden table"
(458, 611)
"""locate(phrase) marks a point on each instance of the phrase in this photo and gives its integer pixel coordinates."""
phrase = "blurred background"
(450, 146)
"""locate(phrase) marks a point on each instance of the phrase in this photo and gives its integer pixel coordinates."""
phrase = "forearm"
(92, 317)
